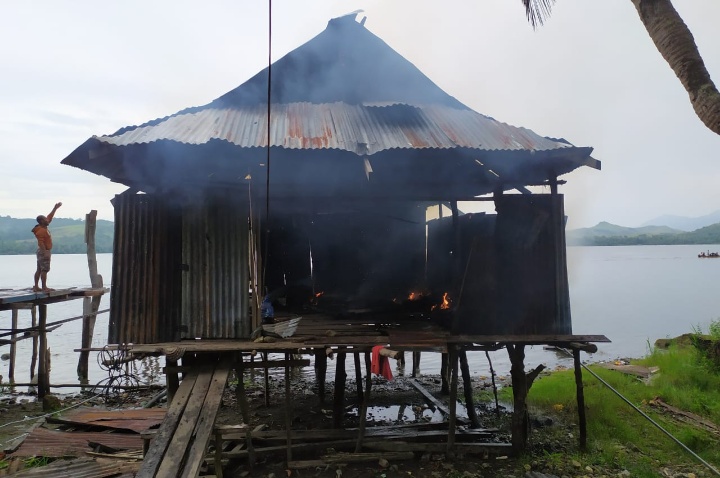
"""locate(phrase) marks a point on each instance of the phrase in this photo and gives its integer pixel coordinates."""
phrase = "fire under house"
(319, 207)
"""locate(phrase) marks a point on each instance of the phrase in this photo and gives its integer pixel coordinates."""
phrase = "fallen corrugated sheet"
(55, 444)
(83, 468)
(136, 420)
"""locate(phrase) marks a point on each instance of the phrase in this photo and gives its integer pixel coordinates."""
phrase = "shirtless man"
(44, 250)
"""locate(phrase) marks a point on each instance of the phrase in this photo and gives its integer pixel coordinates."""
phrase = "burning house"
(308, 186)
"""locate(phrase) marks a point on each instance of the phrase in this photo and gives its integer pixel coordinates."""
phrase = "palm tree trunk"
(676, 44)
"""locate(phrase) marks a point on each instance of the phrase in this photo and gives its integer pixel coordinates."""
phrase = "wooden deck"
(361, 334)
(25, 298)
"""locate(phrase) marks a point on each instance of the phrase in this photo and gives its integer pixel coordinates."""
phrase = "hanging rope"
(267, 157)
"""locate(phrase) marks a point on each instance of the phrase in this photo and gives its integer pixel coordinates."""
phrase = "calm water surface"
(631, 294)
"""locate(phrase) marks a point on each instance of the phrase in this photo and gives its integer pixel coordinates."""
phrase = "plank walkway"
(179, 446)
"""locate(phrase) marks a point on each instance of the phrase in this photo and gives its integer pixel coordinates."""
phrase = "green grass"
(619, 435)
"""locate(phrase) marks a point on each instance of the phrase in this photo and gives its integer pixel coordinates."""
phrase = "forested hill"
(68, 236)
(606, 234)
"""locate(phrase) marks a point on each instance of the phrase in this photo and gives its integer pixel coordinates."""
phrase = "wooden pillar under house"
(416, 364)
(288, 409)
(339, 395)
(321, 372)
(365, 403)
(358, 377)
(240, 395)
(43, 377)
(467, 388)
(33, 359)
(90, 304)
(452, 401)
(13, 346)
(580, 399)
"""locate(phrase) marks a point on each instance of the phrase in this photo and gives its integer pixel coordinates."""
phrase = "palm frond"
(537, 11)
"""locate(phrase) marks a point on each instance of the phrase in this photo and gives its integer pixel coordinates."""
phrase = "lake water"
(631, 294)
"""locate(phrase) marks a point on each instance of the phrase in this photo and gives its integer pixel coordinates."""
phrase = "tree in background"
(675, 43)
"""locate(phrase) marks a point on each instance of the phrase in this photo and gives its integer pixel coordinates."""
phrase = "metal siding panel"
(215, 303)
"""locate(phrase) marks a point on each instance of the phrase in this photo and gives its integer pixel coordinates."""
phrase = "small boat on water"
(709, 254)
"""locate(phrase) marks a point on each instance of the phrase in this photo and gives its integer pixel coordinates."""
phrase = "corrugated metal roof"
(344, 90)
(51, 443)
(359, 129)
(83, 468)
(136, 420)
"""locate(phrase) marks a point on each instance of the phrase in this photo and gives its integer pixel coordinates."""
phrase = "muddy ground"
(394, 403)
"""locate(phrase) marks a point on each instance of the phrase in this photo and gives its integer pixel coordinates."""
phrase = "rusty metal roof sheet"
(136, 420)
(83, 468)
(51, 443)
(345, 91)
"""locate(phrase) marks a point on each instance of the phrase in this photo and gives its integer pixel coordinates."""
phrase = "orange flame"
(445, 304)
(319, 294)
(414, 295)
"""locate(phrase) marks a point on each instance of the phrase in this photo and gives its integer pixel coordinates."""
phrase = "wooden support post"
(266, 374)
(13, 346)
(452, 401)
(240, 390)
(90, 305)
(519, 423)
(494, 385)
(339, 395)
(171, 379)
(365, 403)
(33, 360)
(288, 409)
(580, 399)
(358, 377)
(416, 364)
(43, 378)
(320, 372)
(218, 454)
(467, 388)
(444, 372)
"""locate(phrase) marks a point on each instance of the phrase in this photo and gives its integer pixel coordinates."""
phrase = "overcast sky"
(72, 69)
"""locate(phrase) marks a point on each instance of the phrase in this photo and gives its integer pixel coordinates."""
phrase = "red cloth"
(380, 365)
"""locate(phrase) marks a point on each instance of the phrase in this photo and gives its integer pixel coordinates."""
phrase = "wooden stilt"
(365, 403)
(580, 399)
(240, 390)
(171, 379)
(452, 401)
(33, 359)
(13, 347)
(288, 409)
(90, 305)
(444, 371)
(43, 378)
(416, 365)
(339, 395)
(467, 388)
(358, 377)
(320, 372)
(494, 385)
(266, 372)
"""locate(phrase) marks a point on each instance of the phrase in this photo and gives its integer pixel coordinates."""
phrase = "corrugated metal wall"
(145, 299)
(215, 302)
(533, 292)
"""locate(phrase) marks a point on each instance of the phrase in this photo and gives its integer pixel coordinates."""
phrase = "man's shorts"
(43, 260)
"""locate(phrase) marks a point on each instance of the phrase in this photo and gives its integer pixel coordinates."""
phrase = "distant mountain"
(606, 234)
(685, 223)
(68, 236)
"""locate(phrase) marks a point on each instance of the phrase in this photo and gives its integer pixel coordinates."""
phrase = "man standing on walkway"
(44, 250)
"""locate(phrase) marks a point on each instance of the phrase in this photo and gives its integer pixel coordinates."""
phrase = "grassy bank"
(621, 438)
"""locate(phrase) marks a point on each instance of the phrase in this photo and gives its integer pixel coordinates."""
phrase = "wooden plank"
(172, 459)
(434, 401)
(43, 378)
(206, 421)
(167, 428)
